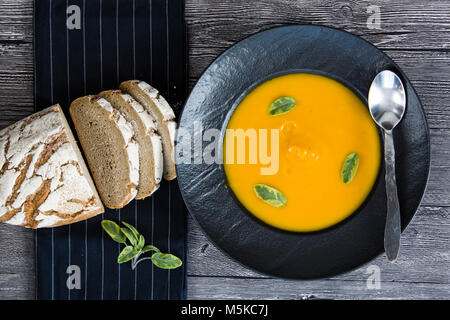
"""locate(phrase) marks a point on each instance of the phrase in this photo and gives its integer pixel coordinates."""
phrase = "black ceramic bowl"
(337, 249)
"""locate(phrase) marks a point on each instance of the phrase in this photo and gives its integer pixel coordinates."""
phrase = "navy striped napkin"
(83, 47)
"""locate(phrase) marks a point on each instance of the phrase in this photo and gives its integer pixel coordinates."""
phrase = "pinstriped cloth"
(83, 47)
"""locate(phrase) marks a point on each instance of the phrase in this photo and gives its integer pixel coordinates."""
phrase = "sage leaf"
(140, 243)
(166, 260)
(127, 254)
(270, 195)
(149, 247)
(138, 247)
(133, 229)
(127, 232)
(114, 231)
(349, 167)
(281, 106)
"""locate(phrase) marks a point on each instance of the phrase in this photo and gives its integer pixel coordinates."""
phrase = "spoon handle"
(393, 226)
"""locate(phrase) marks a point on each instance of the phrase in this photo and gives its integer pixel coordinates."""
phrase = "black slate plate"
(344, 246)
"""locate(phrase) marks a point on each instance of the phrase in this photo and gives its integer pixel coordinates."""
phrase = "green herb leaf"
(127, 232)
(149, 247)
(137, 247)
(166, 260)
(127, 254)
(270, 195)
(140, 243)
(133, 229)
(281, 106)
(114, 231)
(350, 167)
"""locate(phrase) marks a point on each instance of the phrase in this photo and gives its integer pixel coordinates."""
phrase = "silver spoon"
(387, 104)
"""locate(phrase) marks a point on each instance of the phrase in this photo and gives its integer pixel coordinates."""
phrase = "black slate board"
(116, 40)
(260, 57)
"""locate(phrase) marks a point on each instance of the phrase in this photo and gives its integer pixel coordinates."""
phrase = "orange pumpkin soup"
(323, 147)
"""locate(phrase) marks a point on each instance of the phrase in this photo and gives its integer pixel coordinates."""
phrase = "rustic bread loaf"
(150, 147)
(158, 107)
(44, 181)
(108, 143)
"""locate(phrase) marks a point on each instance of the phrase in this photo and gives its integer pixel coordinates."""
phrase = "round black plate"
(344, 246)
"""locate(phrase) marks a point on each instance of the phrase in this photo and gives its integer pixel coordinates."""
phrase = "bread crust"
(51, 185)
(144, 125)
(158, 107)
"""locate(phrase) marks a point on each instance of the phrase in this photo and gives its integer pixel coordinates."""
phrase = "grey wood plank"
(424, 254)
(231, 288)
(17, 266)
(14, 287)
(16, 81)
(16, 20)
(404, 24)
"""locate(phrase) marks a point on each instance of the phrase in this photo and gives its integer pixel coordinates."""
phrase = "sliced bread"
(150, 147)
(108, 143)
(44, 181)
(158, 107)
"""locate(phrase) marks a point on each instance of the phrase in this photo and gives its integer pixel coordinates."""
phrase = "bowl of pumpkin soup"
(279, 161)
(325, 145)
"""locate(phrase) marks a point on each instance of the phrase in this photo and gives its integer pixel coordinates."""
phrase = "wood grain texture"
(404, 24)
(17, 267)
(424, 254)
(414, 33)
(231, 288)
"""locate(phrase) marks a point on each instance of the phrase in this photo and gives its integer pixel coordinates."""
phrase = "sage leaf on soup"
(281, 106)
(270, 195)
(350, 167)
(127, 254)
(166, 260)
(114, 231)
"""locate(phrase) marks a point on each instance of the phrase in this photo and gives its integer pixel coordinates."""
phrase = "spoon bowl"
(387, 99)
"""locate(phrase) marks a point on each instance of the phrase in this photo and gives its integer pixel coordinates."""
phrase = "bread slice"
(150, 146)
(110, 149)
(158, 107)
(44, 181)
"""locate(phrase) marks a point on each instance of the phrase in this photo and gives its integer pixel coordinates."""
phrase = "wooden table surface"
(414, 33)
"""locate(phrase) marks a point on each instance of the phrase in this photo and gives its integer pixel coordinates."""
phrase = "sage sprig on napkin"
(137, 247)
